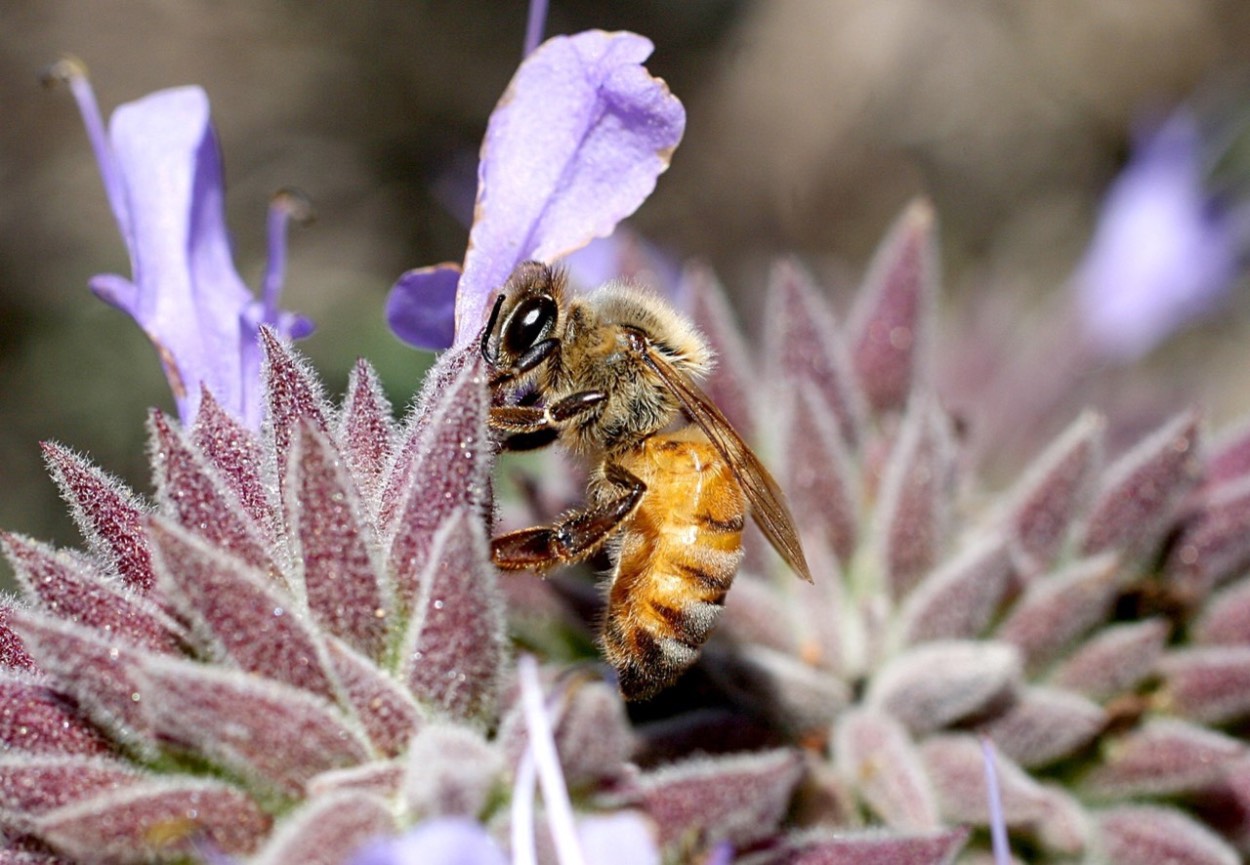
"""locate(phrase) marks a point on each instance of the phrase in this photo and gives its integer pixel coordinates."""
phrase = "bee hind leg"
(573, 537)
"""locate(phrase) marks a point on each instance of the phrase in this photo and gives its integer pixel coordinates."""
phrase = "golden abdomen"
(674, 561)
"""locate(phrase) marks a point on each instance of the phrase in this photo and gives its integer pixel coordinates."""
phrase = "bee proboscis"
(613, 372)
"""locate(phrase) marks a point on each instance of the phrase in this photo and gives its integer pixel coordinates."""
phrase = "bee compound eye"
(530, 322)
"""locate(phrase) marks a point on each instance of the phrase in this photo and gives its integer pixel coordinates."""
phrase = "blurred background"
(811, 124)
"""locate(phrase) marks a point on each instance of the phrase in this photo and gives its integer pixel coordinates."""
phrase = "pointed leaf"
(160, 819)
(381, 778)
(1049, 496)
(34, 719)
(262, 729)
(235, 453)
(451, 771)
(13, 655)
(366, 431)
(99, 672)
(386, 710)
(1141, 491)
(69, 587)
(729, 385)
(1044, 725)
(342, 579)
(1215, 543)
(292, 392)
(915, 497)
(1057, 611)
(452, 472)
(1225, 618)
(819, 477)
(960, 598)
(36, 784)
(1115, 660)
(191, 494)
(885, 769)
(453, 652)
(891, 325)
(1163, 757)
(822, 847)
(593, 735)
(1228, 457)
(328, 830)
(239, 612)
(739, 799)
(1210, 685)
(107, 513)
(1160, 836)
(939, 683)
(401, 472)
(805, 342)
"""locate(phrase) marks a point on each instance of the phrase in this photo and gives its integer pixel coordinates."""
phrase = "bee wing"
(768, 503)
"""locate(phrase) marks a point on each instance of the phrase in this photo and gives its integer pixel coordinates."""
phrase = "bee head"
(519, 335)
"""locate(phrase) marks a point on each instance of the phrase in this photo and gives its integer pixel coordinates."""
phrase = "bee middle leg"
(527, 427)
(573, 537)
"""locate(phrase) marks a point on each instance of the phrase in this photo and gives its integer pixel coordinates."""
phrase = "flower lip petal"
(573, 147)
(421, 307)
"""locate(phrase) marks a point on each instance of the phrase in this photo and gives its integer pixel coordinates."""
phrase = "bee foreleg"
(573, 537)
(521, 424)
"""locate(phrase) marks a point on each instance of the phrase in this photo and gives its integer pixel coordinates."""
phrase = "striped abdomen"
(675, 560)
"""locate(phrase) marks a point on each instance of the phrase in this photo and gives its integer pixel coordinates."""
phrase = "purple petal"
(1162, 253)
(574, 146)
(624, 838)
(447, 841)
(189, 295)
(421, 308)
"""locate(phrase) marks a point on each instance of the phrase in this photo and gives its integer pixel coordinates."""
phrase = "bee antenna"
(492, 359)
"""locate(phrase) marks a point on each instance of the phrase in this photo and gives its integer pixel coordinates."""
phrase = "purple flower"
(574, 146)
(162, 174)
(1164, 251)
(441, 841)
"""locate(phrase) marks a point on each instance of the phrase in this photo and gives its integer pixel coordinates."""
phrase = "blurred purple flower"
(441, 841)
(1164, 251)
(162, 174)
(574, 146)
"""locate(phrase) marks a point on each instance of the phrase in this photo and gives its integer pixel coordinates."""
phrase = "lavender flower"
(163, 177)
(573, 147)
(1165, 250)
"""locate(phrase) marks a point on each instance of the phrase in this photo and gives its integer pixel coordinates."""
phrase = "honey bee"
(613, 372)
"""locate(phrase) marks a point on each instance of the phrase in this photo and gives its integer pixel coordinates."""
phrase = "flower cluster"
(299, 648)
